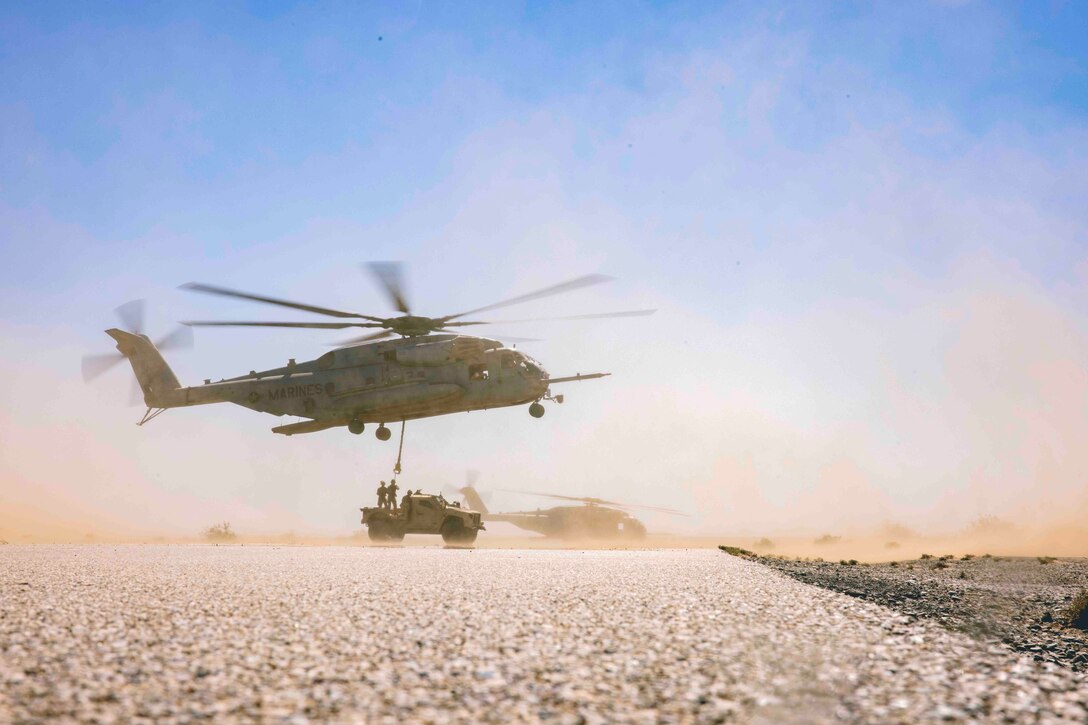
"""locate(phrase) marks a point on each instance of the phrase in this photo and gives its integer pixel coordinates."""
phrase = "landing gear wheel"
(453, 531)
(383, 433)
(536, 410)
(355, 426)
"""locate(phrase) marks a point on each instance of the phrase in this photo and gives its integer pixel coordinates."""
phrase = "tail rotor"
(132, 316)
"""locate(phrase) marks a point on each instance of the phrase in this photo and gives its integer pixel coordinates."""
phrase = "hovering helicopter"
(596, 518)
(427, 370)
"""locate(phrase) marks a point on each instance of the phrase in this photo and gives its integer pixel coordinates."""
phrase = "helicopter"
(412, 367)
(596, 518)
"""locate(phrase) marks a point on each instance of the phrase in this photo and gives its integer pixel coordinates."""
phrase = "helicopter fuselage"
(594, 522)
(377, 382)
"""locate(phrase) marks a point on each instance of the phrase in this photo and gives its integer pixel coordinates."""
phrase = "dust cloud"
(850, 340)
(966, 403)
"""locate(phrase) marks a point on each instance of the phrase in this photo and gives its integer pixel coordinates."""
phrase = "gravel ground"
(1016, 600)
(177, 633)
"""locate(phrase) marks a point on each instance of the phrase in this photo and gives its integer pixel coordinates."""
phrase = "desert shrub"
(924, 557)
(735, 551)
(850, 562)
(947, 557)
(941, 564)
(893, 563)
(827, 539)
(963, 575)
(220, 532)
(764, 543)
(1076, 615)
(987, 556)
(967, 557)
(1046, 559)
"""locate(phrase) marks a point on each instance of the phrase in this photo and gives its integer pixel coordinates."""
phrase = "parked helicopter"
(596, 518)
(429, 370)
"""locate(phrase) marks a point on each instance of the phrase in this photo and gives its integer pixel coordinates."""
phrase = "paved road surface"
(372, 634)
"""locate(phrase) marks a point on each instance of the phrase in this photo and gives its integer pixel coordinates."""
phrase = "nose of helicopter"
(542, 381)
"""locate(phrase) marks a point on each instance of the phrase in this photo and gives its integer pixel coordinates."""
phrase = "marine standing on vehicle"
(391, 494)
(382, 495)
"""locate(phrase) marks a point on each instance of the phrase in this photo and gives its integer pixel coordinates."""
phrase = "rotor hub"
(412, 325)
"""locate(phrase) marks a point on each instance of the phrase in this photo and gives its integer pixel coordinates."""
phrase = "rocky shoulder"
(1037, 606)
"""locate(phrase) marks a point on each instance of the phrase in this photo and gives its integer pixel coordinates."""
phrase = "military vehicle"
(423, 514)
(427, 370)
(596, 518)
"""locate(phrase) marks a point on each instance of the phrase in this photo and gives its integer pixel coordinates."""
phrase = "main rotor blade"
(595, 316)
(390, 277)
(131, 315)
(603, 502)
(224, 292)
(364, 338)
(660, 509)
(302, 325)
(178, 339)
(583, 499)
(572, 284)
(94, 365)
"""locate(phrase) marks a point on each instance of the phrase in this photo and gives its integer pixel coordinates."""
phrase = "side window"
(477, 371)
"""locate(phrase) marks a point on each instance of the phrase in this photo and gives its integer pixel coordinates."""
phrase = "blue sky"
(816, 195)
(130, 119)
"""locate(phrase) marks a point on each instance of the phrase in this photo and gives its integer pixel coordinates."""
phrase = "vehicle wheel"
(377, 531)
(469, 537)
(453, 531)
(355, 426)
(536, 410)
(383, 433)
(395, 533)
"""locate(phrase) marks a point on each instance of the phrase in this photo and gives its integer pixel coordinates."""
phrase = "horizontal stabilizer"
(307, 426)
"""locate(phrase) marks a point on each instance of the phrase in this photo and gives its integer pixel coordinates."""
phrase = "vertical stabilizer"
(472, 498)
(156, 378)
